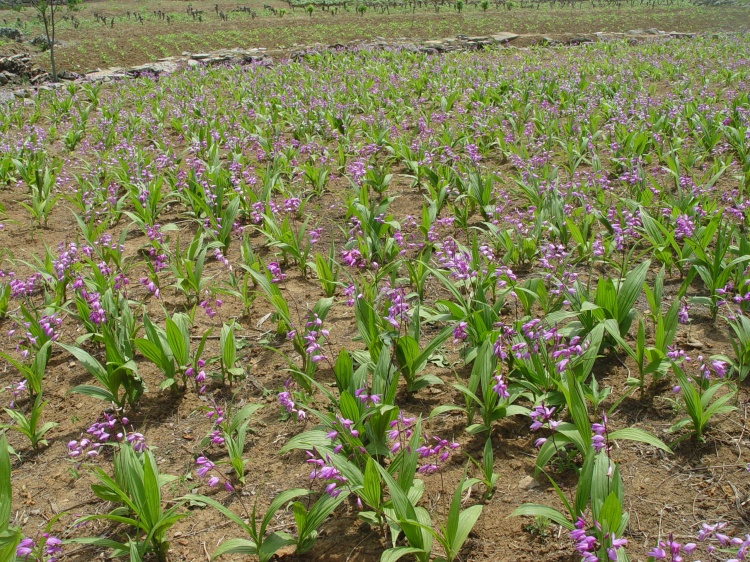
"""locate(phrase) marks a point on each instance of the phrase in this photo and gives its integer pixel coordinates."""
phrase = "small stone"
(528, 483)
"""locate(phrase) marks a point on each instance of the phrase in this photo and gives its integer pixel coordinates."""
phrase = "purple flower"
(657, 553)
(541, 415)
(52, 547)
(616, 544)
(24, 548)
(682, 315)
(205, 466)
(720, 368)
(352, 258)
(459, 332)
(501, 387)
(599, 439)
(275, 270)
(684, 227)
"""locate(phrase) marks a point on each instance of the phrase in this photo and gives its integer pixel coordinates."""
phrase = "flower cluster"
(314, 335)
(542, 417)
(97, 315)
(15, 389)
(151, 286)
(501, 387)
(587, 543)
(324, 470)
(276, 274)
(673, 549)
(459, 332)
(110, 429)
(198, 375)
(50, 546)
(286, 401)
(207, 470)
(368, 399)
(599, 437)
(402, 428)
(436, 454)
(208, 309)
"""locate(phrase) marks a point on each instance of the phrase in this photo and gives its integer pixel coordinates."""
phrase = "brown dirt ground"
(663, 493)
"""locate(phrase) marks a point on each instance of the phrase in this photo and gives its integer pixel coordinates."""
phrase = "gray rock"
(503, 37)
(10, 33)
(43, 42)
(528, 483)
(578, 40)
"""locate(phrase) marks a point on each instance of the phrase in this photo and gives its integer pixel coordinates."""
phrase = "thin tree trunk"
(50, 42)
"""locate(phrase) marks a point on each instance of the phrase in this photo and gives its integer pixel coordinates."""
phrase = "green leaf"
(228, 346)
(610, 514)
(93, 366)
(94, 392)
(307, 441)
(349, 406)
(394, 554)
(466, 522)
(272, 543)
(635, 434)
(343, 369)
(630, 289)
(236, 546)
(407, 351)
(178, 339)
(6, 493)
(320, 510)
(281, 499)
(488, 459)
(229, 514)
(536, 510)
(407, 516)
(585, 478)
(372, 485)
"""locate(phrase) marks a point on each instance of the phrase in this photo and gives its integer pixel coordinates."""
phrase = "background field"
(96, 45)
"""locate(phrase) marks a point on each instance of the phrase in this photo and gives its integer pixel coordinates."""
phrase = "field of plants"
(381, 305)
(105, 33)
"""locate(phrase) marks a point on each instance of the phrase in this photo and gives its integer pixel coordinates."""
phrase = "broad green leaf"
(307, 441)
(372, 487)
(396, 553)
(93, 366)
(635, 434)
(6, 494)
(236, 546)
(536, 510)
(94, 392)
